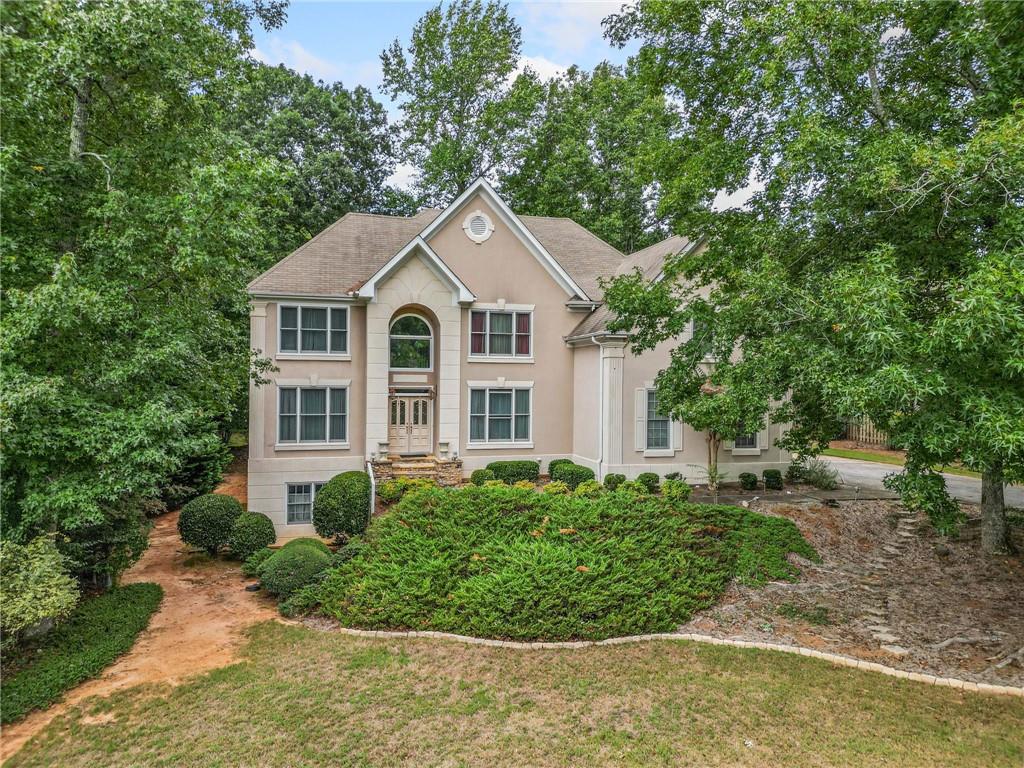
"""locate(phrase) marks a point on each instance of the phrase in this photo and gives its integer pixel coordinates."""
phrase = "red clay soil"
(198, 626)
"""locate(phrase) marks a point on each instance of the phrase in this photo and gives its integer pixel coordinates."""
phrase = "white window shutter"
(677, 435)
(640, 416)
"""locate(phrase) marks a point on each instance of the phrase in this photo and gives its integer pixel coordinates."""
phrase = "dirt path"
(197, 628)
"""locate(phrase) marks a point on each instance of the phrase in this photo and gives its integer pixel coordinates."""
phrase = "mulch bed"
(955, 612)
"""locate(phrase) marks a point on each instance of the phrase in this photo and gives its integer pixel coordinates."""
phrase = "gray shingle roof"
(347, 253)
(648, 261)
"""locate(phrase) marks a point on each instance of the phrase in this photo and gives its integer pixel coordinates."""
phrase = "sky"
(342, 41)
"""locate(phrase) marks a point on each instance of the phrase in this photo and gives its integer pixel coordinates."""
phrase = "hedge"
(555, 463)
(481, 476)
(206, 521)
(572, 474)
(100, 629)
(511, 471)
(290, 569)
(250, 533)
(342, 506)
(650, 481)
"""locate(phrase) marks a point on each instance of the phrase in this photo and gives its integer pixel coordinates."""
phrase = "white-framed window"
(500, 415)
(498, 333)
(411, 344)
(659, 426)
(311, 329)
(299, 502)
(312, 415)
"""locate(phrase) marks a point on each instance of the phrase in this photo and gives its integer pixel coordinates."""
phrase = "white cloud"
(544, 67)
(725, 200)
(566, 28)
(403, 177)
(293, 55)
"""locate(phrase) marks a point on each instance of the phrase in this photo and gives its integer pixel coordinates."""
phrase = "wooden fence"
(863, 431)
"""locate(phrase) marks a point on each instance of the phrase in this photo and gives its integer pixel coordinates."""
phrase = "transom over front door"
(409, 424)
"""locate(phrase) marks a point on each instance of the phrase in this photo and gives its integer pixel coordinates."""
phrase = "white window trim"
(654, 453)
(313, 486)
(322, 445)
(506, 309)
(402, 336)
(328, 355)
(757, 450)
(476, 445)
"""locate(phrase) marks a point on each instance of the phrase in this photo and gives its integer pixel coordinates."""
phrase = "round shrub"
(290, 569)
(342, 505)
(524, 484)
(251, 532)
(253, 563)
(555, 463)
(481, 476)
(671, 475)
(650, 481)
(206, 522)
(772, 480)
(748, 481)
(676, 490)
(556, 488)
(613, 480)
(308, 541)
(633, 488)
(572, 474)
(588, 489)
(511, 471)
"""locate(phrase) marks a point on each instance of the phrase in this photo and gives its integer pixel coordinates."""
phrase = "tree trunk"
(995, 537)
(714, 441)
(79, 118)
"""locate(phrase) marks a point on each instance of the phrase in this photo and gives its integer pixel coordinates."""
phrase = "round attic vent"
(478, 226)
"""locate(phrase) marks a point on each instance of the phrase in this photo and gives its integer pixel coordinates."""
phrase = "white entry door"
(409, 424)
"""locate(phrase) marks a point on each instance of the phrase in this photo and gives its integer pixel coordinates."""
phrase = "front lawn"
(513, 563)
(101, 629)
(889, 458)
(306, 698)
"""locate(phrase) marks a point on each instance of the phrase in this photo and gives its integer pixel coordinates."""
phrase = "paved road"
(869, 474)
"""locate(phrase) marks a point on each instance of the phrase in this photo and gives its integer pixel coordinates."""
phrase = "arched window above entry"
(411, 344)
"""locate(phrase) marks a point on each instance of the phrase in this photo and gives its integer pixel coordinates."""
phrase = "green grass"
(100, 630)
(306, 698)
(885, 458)
(512, 563)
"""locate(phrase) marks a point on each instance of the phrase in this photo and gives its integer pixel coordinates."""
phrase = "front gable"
(417, 248)
(466, 236)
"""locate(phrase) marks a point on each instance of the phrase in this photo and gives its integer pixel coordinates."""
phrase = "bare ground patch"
(889, 589)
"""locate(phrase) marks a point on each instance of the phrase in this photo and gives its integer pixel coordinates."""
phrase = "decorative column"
(613, 352)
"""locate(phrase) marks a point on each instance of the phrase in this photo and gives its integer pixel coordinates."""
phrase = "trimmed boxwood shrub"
(650, 481)
(557, 462)
(772, 479)
(511, 471)
(250, 533)
(676, 490)
(98, 631)
(481, 476)
(206, 521)
(748, 481)
(572, 474)
(342, 506)
(308, 541)
(613, 480)
(671, 475)
(290, 569)
(253, 563)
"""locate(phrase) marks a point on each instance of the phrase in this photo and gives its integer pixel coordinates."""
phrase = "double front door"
(409, 424)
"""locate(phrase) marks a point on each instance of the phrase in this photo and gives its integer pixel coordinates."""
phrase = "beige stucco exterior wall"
(586, 399)
(272, 467)
(503, 269)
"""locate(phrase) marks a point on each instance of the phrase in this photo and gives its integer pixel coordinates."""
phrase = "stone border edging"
(832, 658)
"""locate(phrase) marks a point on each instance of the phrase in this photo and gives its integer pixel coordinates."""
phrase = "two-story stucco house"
(438, 343)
